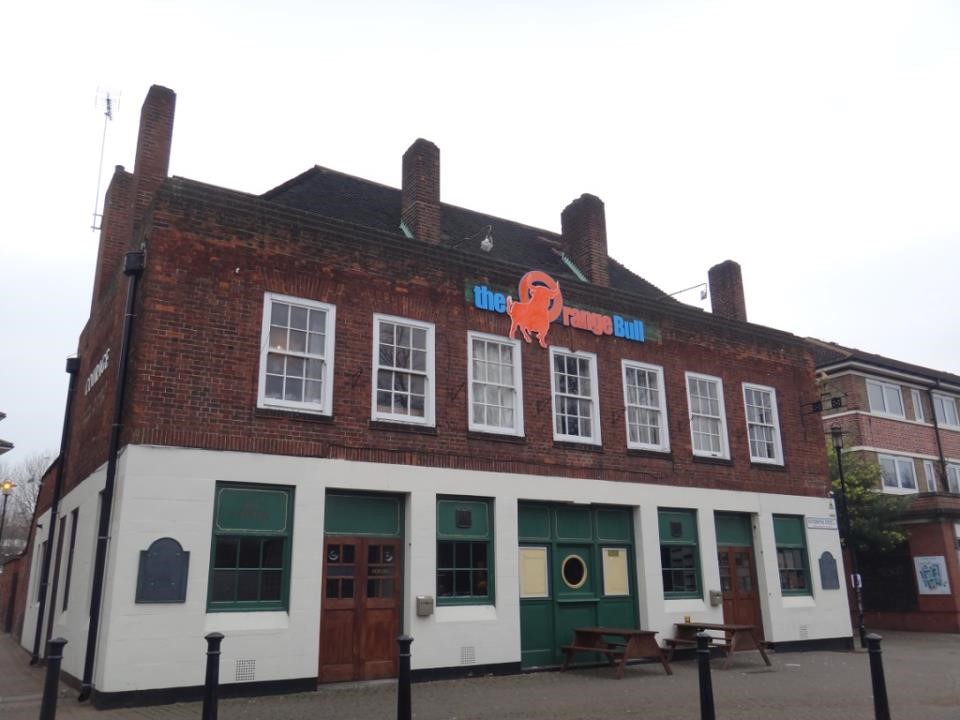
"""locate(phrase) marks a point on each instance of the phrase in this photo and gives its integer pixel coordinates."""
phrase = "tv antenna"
(109, 104)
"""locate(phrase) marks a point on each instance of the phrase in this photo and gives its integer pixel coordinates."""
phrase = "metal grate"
(245, 671)
(468, 655)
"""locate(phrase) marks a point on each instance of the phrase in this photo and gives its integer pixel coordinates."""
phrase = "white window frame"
(777, 458)
(884, 387)
(899, 461)
(724, 439)
(517, 428)
(430, 375)
(594, 398)
(325, 406)
(944, 401)
(917, 405)
(953, 484)
(661, 407)
(931, 476)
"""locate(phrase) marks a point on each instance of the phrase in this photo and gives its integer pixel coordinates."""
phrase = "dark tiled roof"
(830, 353)
(345, 197)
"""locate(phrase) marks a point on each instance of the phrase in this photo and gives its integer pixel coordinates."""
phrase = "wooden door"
(738, 583)
(360, 611)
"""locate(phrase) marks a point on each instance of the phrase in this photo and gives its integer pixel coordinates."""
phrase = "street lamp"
(836, 434)
(6, 487)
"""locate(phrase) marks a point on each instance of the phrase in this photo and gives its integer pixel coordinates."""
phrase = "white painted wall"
(170, 492)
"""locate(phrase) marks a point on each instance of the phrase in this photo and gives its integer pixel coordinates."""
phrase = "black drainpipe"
(936, 431)
(73, 366)
(132, 267)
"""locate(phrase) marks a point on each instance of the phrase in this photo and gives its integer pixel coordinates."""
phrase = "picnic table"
(618, 644)
(735, 638)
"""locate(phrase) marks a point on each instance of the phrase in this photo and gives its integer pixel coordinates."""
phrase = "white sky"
(816, 143)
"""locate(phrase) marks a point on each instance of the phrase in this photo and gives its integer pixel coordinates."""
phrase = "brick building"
(337, 424)
(905, 417)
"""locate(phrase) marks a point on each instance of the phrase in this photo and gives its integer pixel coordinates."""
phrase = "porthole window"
(574, 571)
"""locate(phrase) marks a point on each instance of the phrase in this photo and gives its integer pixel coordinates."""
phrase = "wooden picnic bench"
(626, 643)
(735, 638)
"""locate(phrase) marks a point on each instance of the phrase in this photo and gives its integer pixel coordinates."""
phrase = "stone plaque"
(829, 577)
(163, 573)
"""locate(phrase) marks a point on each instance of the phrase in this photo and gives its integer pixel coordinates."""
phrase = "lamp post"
(6, 487)
(836, 434)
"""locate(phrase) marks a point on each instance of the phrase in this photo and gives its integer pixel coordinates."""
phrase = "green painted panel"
(571, 615)
(533, 522)
(733, 529)
(616, 613)
(463, 519)
(252, 510)
(362, 515)
(573, 523)
(613, 525)
(575, 572)
(678, 526)
(788, 530)
(536, 633)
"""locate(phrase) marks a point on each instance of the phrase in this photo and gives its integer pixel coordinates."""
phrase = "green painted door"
(576, 570)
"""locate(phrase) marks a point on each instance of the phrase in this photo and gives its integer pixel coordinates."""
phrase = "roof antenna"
(108, 104)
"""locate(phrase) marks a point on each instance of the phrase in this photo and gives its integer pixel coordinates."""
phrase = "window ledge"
(402, 427)
(712, 460)
(777, 467)
(567, 445)
(496, 437)
(303, 415)
(653, 454)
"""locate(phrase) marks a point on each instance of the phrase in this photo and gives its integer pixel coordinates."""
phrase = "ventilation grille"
(468, 655)
(804, 632)
(245, 671)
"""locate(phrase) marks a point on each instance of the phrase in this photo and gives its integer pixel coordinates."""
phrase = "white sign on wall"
(932, 575)
(821, 523)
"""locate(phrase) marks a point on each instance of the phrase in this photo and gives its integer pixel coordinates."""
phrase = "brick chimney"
(583, 227)
(726, 291)
(420, 193)
(115, 227)
(153, 148)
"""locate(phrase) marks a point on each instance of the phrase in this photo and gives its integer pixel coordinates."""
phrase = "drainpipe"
(132, 268)
(936, 434)
(73, 367)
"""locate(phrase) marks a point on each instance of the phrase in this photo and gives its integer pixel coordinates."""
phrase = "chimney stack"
(726, 291)
(153, 147)
(420, 193)
(583, 227)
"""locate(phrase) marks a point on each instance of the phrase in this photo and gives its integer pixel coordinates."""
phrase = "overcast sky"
(817, 144)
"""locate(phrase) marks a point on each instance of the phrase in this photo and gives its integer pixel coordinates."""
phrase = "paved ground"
(922, 673)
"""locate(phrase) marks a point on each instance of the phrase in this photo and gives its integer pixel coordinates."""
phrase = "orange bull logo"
(540, 303)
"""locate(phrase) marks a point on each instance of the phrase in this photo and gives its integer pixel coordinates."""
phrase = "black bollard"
(403, 684)
(211, 684)
(881, 709)
(51, 685)
(706, 684)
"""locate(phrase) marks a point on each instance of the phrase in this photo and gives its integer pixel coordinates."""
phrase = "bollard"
(51, 685)
(706, 684)
(403, 680)
(881, 709)
(212, 682)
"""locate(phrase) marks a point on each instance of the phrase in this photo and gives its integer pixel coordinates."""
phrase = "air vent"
(246, 670)
(468, 655)
(804, 632)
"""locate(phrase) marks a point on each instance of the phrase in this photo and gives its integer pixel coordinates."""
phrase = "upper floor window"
(899, 474)
(575, 414)
(708, 422)
(917, 405)
(945, 409)
(646, 407)
(403, 370)
(884, 398)
(763, 425)
(953, 478)
(931, 476)
(296, 354)
(495, 388)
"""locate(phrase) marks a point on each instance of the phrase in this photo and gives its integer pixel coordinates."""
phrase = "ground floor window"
(792, 555)
(250, 553)
(464, 551)
(679, 554)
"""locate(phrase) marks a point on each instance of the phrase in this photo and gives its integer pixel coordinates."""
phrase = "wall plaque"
(829, 577)
(162, 577)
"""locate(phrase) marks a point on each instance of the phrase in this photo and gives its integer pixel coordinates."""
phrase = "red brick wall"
(197, 337)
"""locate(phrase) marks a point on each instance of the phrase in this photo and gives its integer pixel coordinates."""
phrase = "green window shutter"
(678, 526)
(734, 529)
(788, 530)
(256, 511)
(362, 515)
(463, 519)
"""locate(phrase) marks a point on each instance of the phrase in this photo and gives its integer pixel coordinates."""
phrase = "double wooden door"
(360, 611)
(738, 583)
